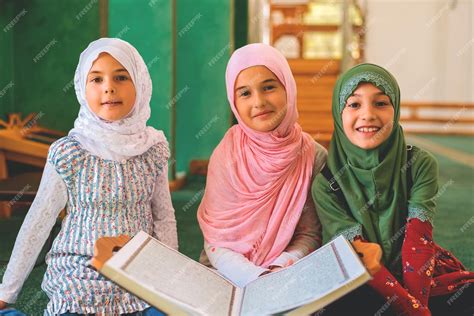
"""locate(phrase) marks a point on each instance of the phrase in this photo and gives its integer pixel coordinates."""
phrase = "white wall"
(427, 44)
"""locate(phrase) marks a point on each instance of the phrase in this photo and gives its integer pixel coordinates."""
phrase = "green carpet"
(454, 222)
(461, 143)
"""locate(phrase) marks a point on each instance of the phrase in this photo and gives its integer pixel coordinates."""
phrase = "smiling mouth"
(111, 103)
(261, 114)
(368, 129)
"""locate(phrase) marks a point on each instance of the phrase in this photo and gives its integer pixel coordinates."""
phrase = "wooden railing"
(438, 118)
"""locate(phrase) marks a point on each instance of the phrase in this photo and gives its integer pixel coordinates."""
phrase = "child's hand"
(271, 269)
(370, 254)
(276, 268)
(2, 305)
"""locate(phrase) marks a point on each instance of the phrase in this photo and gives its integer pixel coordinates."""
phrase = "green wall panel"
(9, 18)
(203, 49)
(47, 42)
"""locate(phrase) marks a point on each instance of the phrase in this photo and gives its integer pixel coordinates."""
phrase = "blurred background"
(426, 44)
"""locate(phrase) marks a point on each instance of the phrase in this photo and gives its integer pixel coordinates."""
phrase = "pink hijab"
(257, 182)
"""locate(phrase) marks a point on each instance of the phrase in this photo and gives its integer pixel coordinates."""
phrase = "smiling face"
(110, 91)
(368, 116)
(260, 98)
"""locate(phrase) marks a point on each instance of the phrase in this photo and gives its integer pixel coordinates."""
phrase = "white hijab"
(129, 136)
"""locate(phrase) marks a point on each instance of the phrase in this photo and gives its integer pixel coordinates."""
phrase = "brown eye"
(96, 80)
(353, 105)
(244, 93)
(122, 78)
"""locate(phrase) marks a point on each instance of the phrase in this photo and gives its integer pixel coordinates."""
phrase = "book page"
(177, 276)
(312, 277)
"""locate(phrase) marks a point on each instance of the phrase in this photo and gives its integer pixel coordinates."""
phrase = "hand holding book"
(370, 254)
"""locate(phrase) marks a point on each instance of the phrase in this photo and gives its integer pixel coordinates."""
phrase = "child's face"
(110, 91)
(367, 118)
(260, 98)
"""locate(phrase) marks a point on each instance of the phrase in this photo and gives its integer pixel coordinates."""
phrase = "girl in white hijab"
(111, 174)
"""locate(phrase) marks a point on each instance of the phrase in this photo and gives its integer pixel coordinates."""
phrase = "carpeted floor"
(454, 222)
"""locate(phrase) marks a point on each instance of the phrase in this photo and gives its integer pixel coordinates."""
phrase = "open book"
(178, 285)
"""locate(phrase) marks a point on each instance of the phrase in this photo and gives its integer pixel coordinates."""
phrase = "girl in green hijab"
(376, 190)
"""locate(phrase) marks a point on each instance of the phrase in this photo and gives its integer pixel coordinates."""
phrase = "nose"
(259, 100)
(368, 112)
(109, 86)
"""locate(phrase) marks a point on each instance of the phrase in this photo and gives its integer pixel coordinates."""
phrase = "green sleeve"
(333, 214)
(424, 191)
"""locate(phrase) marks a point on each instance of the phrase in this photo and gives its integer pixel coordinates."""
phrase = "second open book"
(178, 285)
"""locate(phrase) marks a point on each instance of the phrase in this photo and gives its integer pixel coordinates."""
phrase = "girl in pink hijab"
(256, 214)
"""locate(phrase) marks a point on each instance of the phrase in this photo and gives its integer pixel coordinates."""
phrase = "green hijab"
(373, 181)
